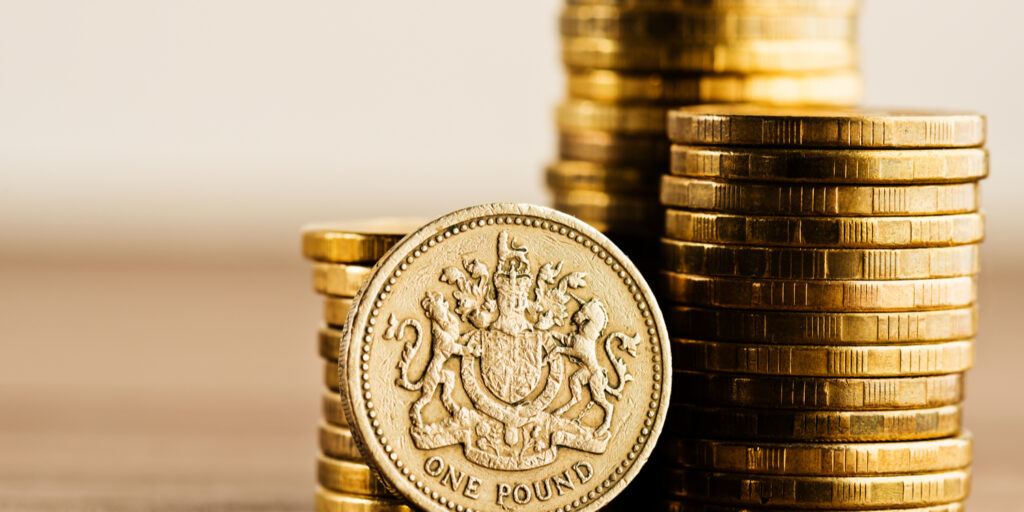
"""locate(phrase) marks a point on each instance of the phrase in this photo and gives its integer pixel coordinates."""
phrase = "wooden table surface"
(194, 387)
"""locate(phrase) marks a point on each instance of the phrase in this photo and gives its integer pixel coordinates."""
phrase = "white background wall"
(194, 129)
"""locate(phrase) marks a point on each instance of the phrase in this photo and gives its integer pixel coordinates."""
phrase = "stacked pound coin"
(629, 61)
(818, 271)
(343, 254)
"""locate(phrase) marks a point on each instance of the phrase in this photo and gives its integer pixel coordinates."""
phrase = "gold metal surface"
(349, 477)
(578, 174)
(330, 501)
(576, 115)
(337, 443)
(336, 309)
(332, 409)
(338, 279)
(356, 241)
(610, 148)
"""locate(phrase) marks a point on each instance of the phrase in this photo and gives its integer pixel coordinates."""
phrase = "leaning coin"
(354, 242)
(328, 343)
(487, 289)
(820, 296)
(817, 393)
(814, 426)
(578, 174)
(610, 148)
(336, 309)
(693, 506)
(585, 115)
(332, 408)
(843, 166)
(818, 263)
(349, 477)
(841, 87)
(818, 200)
(909, 490)
(337, 443)
(330, 501)
(779, 56)
(338, 279)
(818, 459)
(823, 360)
(813, 328)
(764, 125)
(863, 232)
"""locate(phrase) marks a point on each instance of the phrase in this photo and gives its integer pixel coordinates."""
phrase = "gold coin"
(813, 328)
(692, 506)
(814, 426)
(362, 241)
(817, 459)
(767, 56)
(454, 297)
(577, 174)
(841, 87)
(864, 232)
(338, 279)
(909, 490)
(611, 213)
(337, 443)
(820, 296)
(349, 477)
(331, 376)
(611, 148)
(752, 6)
(332, 409)
(825, 394)
(824, 360)
(670, 24)
(585, 115)
(763, 125)
(336, 309)
(328, 343)
(845, 166)
(818, 200)
(818, 263)
(330, 501)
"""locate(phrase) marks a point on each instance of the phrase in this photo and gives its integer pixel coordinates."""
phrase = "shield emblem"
(511, 365)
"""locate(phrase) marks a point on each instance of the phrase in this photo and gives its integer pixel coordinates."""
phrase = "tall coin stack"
(343, 255)
(628, 61)
(819, 280)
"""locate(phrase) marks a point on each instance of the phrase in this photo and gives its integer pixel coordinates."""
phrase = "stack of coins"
(343, 255)
(819, 283)
(628, 61)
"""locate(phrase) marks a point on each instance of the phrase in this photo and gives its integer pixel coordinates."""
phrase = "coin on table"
(818, 263)
(814, 426)
(818, 199)
(863, 232)
(764, 125)
(456, 363)
(338, 279)
(818, 459)
(337, 443)
(844, 166)
(817, 393)
(765, 56)
(840, 87)
(908, 490)
(349, 477)
(332, 408)
(823, 360)
(668, 23)
(362, 241)
(585, 115)
(694, 506)
(820, 296)
(814, 328)
(328, 341)
(330, 501)
(336, 309)
(634, 214)
(582, 175)
(610, 148)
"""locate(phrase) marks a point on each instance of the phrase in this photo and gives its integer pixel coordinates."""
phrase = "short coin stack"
(819, 283)
(343, 255)
(630, 60)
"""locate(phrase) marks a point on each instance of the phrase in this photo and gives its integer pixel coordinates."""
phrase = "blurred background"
(158, 158)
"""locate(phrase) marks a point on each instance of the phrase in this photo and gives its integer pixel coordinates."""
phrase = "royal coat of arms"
(521, 338)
